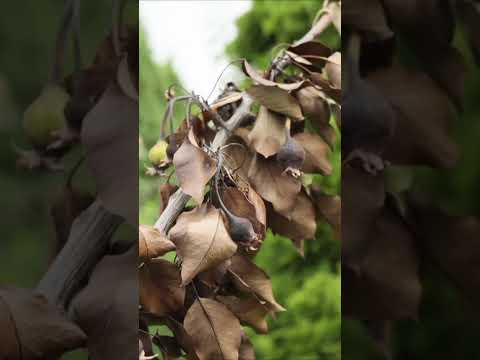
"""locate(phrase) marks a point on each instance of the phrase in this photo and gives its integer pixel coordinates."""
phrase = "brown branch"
(88, 240)
(178, 200)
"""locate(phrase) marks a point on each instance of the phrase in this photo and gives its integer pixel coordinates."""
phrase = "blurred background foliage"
(308, 287)
(447, 326)
(28, 31)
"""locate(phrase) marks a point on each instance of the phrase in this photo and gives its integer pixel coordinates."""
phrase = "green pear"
(158, 153)
(45, 115)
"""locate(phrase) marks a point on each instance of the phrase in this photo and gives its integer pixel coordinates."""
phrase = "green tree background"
(308, 287)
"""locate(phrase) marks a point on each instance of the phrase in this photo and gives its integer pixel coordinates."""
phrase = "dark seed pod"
(291, 155)
(241, 231)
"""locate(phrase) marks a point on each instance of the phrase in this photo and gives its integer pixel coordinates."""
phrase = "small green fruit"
(45, 115)
(158, 153)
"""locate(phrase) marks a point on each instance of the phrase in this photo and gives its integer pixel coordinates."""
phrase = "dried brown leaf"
(32, 328)
(107, 308)
(387, 284)
(297, 224)
(277, 100)
(272, 184)
(160, 290)
(248, 310)
(110, 137)
(216, 333)
(268, 133)
(249, 278)
(194, 168)
(152, 243)
(202, 241)
(317, 153)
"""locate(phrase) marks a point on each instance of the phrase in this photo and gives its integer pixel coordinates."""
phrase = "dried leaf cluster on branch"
(393, 115)
(88, 108)
(243, 170)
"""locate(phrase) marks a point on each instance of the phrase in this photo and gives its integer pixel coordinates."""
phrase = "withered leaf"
(428, 23)
(239, 156)
(202, 241)
(248, 310)
(323, 84)
(269, 181)
(363, 197)
(268, 133)
(313, 51)
(249, 206)
(215, 276)
(110, 137)
(424, 115)
(216, 333)
(329, 207)
(152, 243)
(10, 341)
(249, 278)
(452, 242)
(314, 105)
(317, 153)
(260, 79)
(333, 68)
(106, 309)
(299, 223)
(225, 100)
(194, 168)
(366, 16)
(182, 337)
(277, 100)
(160, 290)
(32, 328)
(440, 65)
(247, 351)
(386, 285)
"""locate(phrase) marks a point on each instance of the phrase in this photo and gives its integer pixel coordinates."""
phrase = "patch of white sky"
(192, 35)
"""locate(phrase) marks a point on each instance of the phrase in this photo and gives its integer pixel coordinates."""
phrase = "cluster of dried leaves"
(101, 116)
(402, 115)
(241, 185)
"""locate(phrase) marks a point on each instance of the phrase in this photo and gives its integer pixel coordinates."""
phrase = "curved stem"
(59, 58)
(216, 180)
(117, 10)
(77, 51)
(73, 171)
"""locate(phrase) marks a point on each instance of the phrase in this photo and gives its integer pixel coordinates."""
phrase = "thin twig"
(179, 199)
(59, 58)
(282, 60)
(77, 51)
